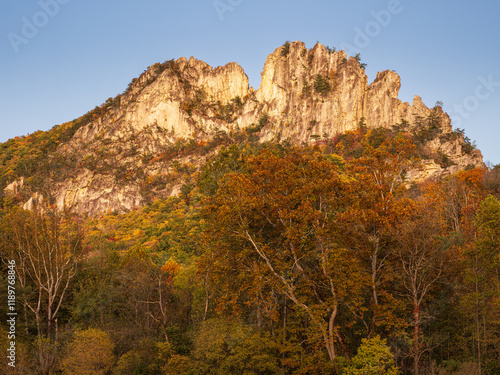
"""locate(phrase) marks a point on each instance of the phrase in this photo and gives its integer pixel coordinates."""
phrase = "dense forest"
(273, 259)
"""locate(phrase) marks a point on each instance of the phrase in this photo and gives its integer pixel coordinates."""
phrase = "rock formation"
(136, 139)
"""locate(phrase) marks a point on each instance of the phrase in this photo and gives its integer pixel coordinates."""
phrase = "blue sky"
(61, 58)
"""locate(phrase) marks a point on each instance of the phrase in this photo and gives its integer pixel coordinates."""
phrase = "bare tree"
(47, 247)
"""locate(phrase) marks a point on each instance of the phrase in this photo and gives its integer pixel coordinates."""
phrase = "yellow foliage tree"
(90, 353)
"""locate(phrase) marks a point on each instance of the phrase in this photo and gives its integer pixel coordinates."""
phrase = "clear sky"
(61, 58)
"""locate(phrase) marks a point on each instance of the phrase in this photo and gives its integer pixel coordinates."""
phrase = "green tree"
(321, 85)
(285, 49)
(481, 302)
(228, 160)
(373, 358)
(358, 59)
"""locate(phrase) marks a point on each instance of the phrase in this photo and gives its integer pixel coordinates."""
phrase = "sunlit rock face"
(288, 93)
(304, 94)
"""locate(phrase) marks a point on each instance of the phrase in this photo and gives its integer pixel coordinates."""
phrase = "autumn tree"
(227, 346)
(457, 197)
(90, 353)
(163, 279)
(272, 230)
(379, 202)
(147, 357)
(422, 261)
(228, 160)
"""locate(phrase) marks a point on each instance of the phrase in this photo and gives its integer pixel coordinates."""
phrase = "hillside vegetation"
(273, 259)
(146, 142)
(193, 225)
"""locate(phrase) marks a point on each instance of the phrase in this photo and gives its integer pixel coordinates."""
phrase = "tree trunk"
(416, 339)
(330, 344)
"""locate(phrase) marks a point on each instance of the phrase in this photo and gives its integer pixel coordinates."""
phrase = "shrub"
(285, 49)
(321, 85)
(263, 121)
(468, 145)
(358, 59)
(306, 90)
(444, 160)
(330, 50)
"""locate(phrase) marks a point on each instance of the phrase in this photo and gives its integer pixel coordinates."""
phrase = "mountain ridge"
(142, 143)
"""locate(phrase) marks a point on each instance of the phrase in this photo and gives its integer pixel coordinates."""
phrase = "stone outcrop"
(304, 94)
(288, 91)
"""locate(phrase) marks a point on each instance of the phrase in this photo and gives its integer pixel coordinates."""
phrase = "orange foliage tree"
(273, 231)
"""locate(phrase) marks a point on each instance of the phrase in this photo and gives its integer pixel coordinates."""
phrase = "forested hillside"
(273, 258)
(145, 143)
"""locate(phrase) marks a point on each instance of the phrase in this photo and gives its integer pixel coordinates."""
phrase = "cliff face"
(145, 125)
(289, 91)
(135, 145)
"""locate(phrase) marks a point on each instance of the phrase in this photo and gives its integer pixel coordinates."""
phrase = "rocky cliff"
(141, 143)
(292, 89)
